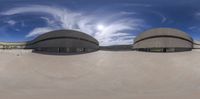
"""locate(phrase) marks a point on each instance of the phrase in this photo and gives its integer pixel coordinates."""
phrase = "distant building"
(163, 40)
(64, 41)
(1, 46)
(12, 45)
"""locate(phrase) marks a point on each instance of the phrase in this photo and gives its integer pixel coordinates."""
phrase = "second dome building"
(163, 40)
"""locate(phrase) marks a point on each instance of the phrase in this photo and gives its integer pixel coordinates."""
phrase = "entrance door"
(164, 49)
(62, 50)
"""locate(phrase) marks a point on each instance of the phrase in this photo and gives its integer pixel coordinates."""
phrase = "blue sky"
(110, 21)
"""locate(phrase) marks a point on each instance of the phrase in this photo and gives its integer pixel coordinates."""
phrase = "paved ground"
(100, 75)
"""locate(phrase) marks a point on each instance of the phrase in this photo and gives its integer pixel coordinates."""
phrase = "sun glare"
(100, 27)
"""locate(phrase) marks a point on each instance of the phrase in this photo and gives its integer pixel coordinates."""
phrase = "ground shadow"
(62, 54)
(162, 52)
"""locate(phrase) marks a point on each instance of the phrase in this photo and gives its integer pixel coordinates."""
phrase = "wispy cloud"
(137, 4)
(11, 22)
(159, 14)
(197, 14)
(147, 7)
(127, 13)
(194, 29)
(115, 31)
(39, 31)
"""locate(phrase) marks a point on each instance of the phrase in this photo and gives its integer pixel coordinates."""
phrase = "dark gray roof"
(65, 33)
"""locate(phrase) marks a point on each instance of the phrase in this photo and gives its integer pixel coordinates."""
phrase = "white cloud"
(137, 4)
(66, 17)
(197, 14)
(127, 13)
(163, 17)
(115, 31)
(11, 22)
(194, 29)
(39, 31)
(22, 24)
(49, 21)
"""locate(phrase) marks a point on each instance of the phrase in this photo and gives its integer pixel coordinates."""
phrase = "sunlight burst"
(100, 27)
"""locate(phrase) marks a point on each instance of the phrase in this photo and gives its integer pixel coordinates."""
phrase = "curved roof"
(163, 32)
(65, 34)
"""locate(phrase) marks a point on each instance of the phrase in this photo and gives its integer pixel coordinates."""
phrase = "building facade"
(64, 41)
(163, 40)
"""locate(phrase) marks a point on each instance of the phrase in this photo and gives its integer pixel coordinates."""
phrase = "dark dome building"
(163, 40)
(64, 41)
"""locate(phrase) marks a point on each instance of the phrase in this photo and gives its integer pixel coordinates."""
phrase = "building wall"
(163, 42)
